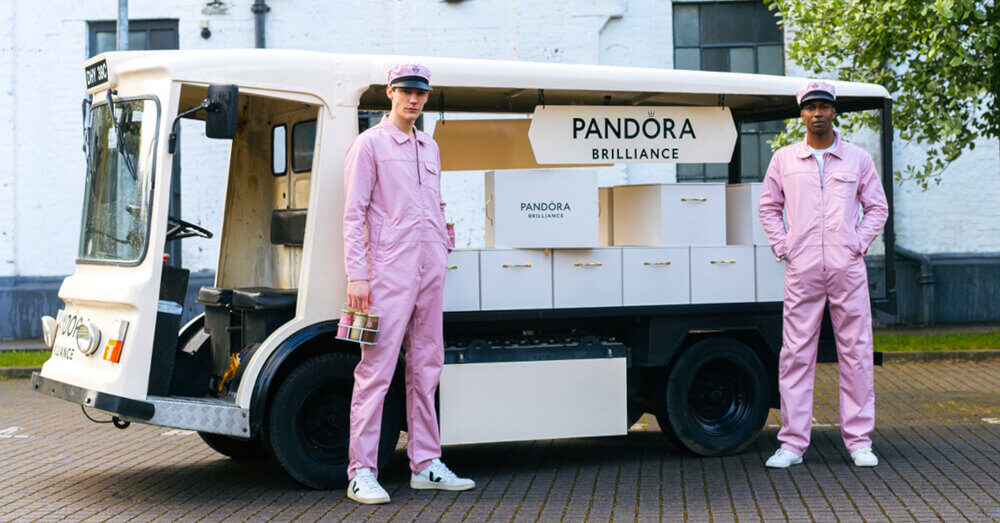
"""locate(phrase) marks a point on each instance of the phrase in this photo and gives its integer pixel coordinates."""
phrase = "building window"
(143, 35)
(739, 37)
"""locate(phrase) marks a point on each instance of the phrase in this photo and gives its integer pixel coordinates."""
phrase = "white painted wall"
(44, 46)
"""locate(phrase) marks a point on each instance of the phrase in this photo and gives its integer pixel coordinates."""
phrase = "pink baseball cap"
(410, 75)
(815, 90)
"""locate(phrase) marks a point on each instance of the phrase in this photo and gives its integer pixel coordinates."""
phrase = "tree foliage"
(938, 59)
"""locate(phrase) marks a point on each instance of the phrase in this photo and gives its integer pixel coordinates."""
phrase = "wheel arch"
(310, 341)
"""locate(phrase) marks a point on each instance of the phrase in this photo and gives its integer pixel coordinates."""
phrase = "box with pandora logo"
(542, 208)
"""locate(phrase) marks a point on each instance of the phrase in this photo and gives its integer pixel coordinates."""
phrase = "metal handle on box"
(508, 266)
(694, 199)
(591, 264)
(656, 263)
(452, 267)
(723, 261)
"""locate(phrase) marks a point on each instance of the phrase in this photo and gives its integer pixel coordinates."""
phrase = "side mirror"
(221, 112)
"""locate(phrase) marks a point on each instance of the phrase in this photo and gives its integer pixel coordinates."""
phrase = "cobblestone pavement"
(938, 438)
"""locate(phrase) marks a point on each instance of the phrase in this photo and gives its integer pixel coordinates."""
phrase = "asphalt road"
(938, 437)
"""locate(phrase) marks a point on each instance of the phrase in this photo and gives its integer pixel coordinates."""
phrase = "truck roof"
(479, 85)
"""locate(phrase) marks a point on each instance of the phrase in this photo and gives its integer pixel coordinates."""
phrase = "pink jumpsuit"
(395, 237)
(823, 247)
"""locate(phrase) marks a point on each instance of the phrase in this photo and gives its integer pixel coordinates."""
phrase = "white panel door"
(770, 275)
(693, 214)
(516, 401)
(656, 276)
(722, 274)
(515, 279)
(587, 278)
(461, 281)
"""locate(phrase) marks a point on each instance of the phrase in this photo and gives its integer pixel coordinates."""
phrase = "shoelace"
(442, 470)
(368, 481)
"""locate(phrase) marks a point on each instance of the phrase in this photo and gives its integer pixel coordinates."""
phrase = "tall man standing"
(820, 183)
(395, 249)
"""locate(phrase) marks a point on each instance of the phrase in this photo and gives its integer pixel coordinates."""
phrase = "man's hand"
(359, 295)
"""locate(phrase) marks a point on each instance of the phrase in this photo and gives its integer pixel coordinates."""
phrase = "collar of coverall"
(400, 136)
(804, 151)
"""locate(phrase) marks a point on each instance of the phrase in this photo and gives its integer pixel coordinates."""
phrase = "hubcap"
(720, 397)
(324, 423)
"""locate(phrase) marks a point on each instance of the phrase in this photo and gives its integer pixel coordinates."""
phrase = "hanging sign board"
(581, 134)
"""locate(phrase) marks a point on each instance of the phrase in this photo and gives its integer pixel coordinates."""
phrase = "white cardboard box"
(461, 281)
(672, 214)
(742, 222)
(723, 274)
(587, 278)
(541, 208)
(770, 275)
(656, 276)
(515, 279)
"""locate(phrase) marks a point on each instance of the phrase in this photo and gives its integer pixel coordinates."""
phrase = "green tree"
(938, 58)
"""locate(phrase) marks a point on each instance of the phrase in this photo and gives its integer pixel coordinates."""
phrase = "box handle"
(591, 264)
(779, 260)
(656, 263)
(452, 267)
(486, 209)
(722, 261)
(694, 199)
(509, 266)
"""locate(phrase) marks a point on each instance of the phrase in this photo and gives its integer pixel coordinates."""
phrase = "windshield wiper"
(122, 146)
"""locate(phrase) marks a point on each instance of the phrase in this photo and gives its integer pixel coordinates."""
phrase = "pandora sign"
(610, 134)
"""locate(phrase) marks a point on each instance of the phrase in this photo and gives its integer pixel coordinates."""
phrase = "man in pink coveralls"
(820, 184)
(395, 249)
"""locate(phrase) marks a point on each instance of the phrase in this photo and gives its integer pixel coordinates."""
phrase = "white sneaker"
(438, 476)
(864, 457)
(364, 488)
(782, 459)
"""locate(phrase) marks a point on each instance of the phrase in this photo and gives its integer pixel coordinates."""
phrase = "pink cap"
(410, 75)
(815, 90)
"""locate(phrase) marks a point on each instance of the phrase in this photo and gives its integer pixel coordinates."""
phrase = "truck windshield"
(119, 180)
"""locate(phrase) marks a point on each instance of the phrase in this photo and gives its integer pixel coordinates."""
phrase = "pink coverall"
(395, 237)
(823, 247)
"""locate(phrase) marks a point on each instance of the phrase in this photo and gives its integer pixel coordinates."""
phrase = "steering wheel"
(178, 228)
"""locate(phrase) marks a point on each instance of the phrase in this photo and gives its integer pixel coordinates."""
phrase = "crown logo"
(651, 113)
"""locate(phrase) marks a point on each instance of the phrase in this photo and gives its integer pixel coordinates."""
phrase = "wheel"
(235, 448)
(715, 400)
(309, 421)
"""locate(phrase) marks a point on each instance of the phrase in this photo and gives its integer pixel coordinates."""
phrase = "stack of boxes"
(554, 239)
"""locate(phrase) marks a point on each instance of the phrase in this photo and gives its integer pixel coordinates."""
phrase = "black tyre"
(715, 400)
(309, 421)
(238, 449)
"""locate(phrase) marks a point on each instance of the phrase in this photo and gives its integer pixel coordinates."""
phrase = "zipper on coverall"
(822, 212)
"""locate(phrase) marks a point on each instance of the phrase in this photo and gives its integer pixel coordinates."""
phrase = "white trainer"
(364, 488)
(438, 476)
(782, 459)
(864, 457)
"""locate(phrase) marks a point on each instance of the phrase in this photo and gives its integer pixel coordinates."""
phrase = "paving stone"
(939, 461)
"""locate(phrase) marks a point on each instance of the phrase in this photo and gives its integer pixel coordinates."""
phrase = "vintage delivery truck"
(541, 342)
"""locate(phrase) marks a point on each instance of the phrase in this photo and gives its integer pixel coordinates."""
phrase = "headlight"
(88, 337)
(50, 328)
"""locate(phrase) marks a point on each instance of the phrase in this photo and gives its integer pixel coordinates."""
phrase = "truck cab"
(261, 375)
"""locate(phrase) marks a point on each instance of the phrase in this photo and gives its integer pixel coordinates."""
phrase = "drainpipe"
(925, 279)
(260, 9)
(122, 43)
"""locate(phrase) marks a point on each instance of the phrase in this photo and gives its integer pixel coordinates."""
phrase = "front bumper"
(123, 407)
